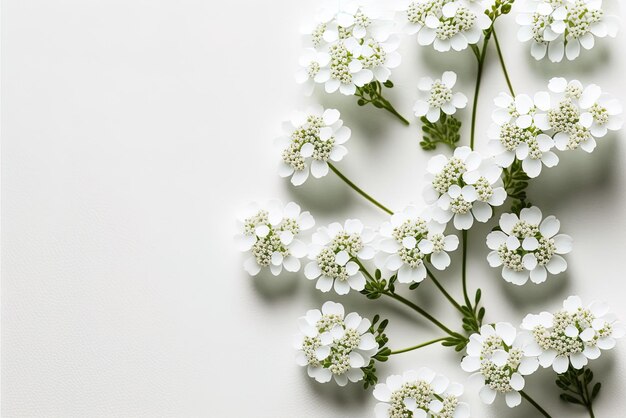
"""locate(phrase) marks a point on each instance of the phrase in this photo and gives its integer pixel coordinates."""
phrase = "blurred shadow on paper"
(272, 288)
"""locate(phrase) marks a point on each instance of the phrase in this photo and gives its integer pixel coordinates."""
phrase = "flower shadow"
(588, 61)
(272, 288)
(366, 122)
(436, 62)
(592, 173)
(532, 296)
(325, 195)
(348, 401)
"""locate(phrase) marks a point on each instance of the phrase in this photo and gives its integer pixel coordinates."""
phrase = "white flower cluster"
(335, 252)
(419, 394)
(499, 356)
(568, 116)
(527, 247)
(437, 97)
(465, 187)
(446, 24)
(349, 47)
(559, 28)
(515, 134)
(269, 234)
(310, 140)
(577, 115)
(333, 346)
(573, 335)
(408, 240)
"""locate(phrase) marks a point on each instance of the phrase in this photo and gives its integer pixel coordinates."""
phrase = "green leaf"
(596, 390)
(570, 399)
(444, 131)
(576, 382)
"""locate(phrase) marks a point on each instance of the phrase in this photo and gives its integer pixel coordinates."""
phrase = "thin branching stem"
(468, 302)
(506, 73)
(480, 56)
(443, 290)
(535, 404)
(415, 347)
(359, 190)
(422, 312)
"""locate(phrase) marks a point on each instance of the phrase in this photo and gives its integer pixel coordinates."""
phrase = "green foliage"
(372, 93)
(444, 131)
(576, 387)
(458, 342)
(499, 8)
(376, 287)
(515, 184)
(382, 355)
(472, 321)
(473, 316)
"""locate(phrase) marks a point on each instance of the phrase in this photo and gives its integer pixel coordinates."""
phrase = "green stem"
(468, 303)
(387, 106)
(445, 293)
(358, 189)
(415, 347)
(480, 56)
(535, 404)
(363, 269)
(588, 403)
(423, 313)
(506, 74)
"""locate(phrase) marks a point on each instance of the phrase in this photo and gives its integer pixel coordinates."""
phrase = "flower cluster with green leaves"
(352, 47)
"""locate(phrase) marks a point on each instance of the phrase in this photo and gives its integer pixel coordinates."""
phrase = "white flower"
(311, 62)
(310, 140)
(446, 23)
(269, 232)
(331, 346)
(560, 27)
(499, 355)
(438, 97)
(464, 187)
(527, 247)
(573, 335)
(409, 240)
(515, 134)
(352, 45)
(578, 114)
(420, 394)
(334, 251)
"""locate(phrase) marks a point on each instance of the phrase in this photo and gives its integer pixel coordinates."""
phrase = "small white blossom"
(527, 247)
(437, 97)
(349, 46)
(408, 240)
(447, 24)
(573, 335)
(311, 62)
(335, 251)
(420, 394)
(560, 27)
(515, 134)
(269, 234)
(463, 187)
(310, 140)
(499, 356)
(333, 346)
(578, 115)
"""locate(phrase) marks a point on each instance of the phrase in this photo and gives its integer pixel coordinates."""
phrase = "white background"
(133, 130)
